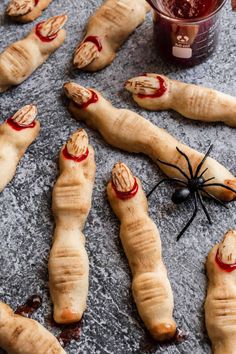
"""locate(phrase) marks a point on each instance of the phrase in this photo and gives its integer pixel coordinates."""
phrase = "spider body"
(193, 185)
(180, 195)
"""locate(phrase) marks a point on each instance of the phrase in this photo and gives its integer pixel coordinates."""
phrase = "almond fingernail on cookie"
(16, 134)
(142, 245)
(127, 130)
(220, 305)
(26, 10)
(71, 203)
(22, 58)
(21, 335)
(157, 92)
(106, 31)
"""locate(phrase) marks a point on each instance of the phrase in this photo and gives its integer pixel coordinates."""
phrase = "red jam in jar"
(186, 31)
(189, 9)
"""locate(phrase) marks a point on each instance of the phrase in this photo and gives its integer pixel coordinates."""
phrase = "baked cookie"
(22, 58)
(220, 309)
(131, 132)
(16, 134)
(21, 335)
(107, 30)
(157, 92)
(71, 202)
(142, 245)
(26, 10)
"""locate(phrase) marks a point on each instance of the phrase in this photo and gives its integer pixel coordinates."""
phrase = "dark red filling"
(189, 9)
(74, 158)
(159, 92)
(227, 267)
(36, 2)
(95, 40)
(69, 334)
(41, 37)
(31, 305)
(126, 195)
(93, 99)
(14, 125)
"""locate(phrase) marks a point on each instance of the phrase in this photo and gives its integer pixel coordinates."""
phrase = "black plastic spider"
(193, 186)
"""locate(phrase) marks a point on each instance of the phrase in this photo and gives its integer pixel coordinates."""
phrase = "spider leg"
(209, 179)
(188, 161)
(176, 167)
(203, 160)
(214, 198)
(220, 185)
(190, 220)
(204, 208)
(203, 172)
(166, 180)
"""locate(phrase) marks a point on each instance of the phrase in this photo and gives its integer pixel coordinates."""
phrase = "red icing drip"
(36, 2)
(159, 92)
(127, 195)
(95, 40)
(32, 304)
(74, 158)
(14, 125)
(41, 37)
(226, 267)
(69, 334)
(93, 99)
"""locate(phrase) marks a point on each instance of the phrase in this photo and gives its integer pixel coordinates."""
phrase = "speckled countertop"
(111, 323)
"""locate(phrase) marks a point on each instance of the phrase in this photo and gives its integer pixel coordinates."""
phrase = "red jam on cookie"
(159, 92)
(226, 267)
(41, 37)
(93, 99)
(74, 158)
(14, 125)
(127, 195)
(95, 40)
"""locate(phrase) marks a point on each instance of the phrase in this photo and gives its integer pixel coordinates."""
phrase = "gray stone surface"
(111, 323)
